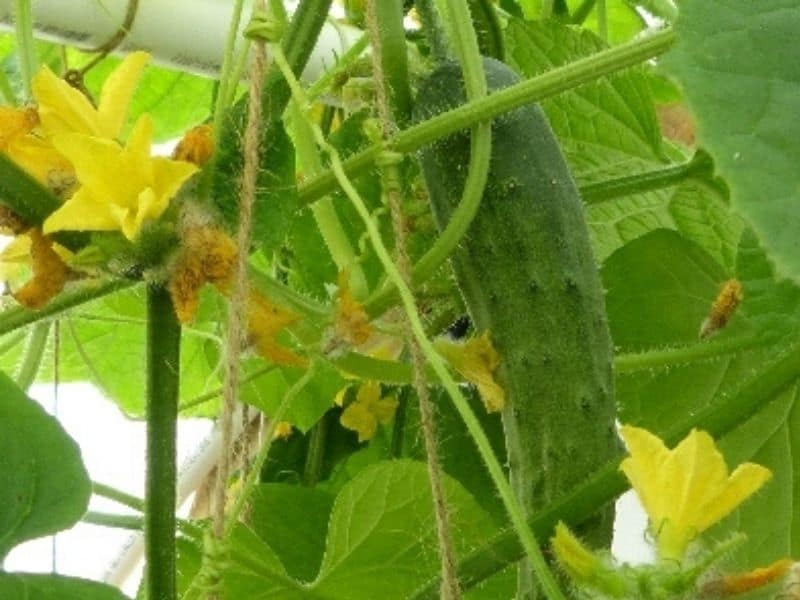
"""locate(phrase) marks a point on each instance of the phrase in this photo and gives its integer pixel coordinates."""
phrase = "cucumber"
(527, 274)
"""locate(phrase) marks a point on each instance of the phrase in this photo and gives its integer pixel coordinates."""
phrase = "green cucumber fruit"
(527, 274)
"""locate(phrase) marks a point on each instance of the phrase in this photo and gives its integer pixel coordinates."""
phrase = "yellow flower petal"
(49, 272)
(117, 92)
(62, 108)
(476, 360)
(687, 489)
(82, 212)
(358, 417)
(368, 409)
(130, 185)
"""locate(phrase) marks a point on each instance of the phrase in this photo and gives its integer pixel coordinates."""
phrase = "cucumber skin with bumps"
(528, 275)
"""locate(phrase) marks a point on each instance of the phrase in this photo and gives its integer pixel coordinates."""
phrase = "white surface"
(188, 34)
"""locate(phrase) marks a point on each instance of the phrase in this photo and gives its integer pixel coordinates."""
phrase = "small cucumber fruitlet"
(527, 274)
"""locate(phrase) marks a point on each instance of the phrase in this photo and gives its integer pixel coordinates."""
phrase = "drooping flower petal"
(687, 489)
(476, 360)
(50, 273)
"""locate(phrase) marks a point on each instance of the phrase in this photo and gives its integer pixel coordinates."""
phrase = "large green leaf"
(665, 373)
(607, 127)
(381, 536)
(381, 540)
(44, 487)
(741, 80)
(35, 586)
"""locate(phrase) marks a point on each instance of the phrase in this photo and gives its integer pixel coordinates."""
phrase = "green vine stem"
(595, 193)
(583, 11)
(602, 20)
(327, 80)
(227, 72)
(19, 316)
(163, 376)
(32, 357)
(26, 50)
(543, 86)
(473, 425)
(324, 212)
(719, 419)
(118, 496)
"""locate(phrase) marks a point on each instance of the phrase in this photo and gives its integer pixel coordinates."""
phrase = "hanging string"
(215, 551)
(389, 163)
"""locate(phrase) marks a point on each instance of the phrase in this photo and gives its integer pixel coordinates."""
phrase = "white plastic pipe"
(185, 34)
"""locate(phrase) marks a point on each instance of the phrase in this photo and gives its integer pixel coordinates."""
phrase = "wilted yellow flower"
(46, 260)
(734, 584)
(352, 322)
(265, 321)
(207, 255)
(685, 490)
(196, 146)
(63, 109)
(368, 409)
(121, 187)
(476, 360)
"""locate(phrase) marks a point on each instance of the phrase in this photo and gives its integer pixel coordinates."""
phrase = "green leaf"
(309, 404)
(35, 586)
(176, 100)
(293, 520)
(654, 303)
(606, 128)
(622, 20)
(103, 342)
(745, 92)
(44, 487)
(381, 538)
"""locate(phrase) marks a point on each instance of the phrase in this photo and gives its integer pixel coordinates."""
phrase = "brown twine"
(389, 161)
(239, 296)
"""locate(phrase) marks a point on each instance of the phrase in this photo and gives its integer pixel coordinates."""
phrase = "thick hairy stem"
(163, 376)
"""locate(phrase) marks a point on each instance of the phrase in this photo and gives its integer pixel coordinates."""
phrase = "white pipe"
(185, 34)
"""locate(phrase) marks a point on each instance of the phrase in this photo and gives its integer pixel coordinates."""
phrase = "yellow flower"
(121, 188)
(685, 490)
(35, 155)
(64, 109)
(368, 410)
(476, 360)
